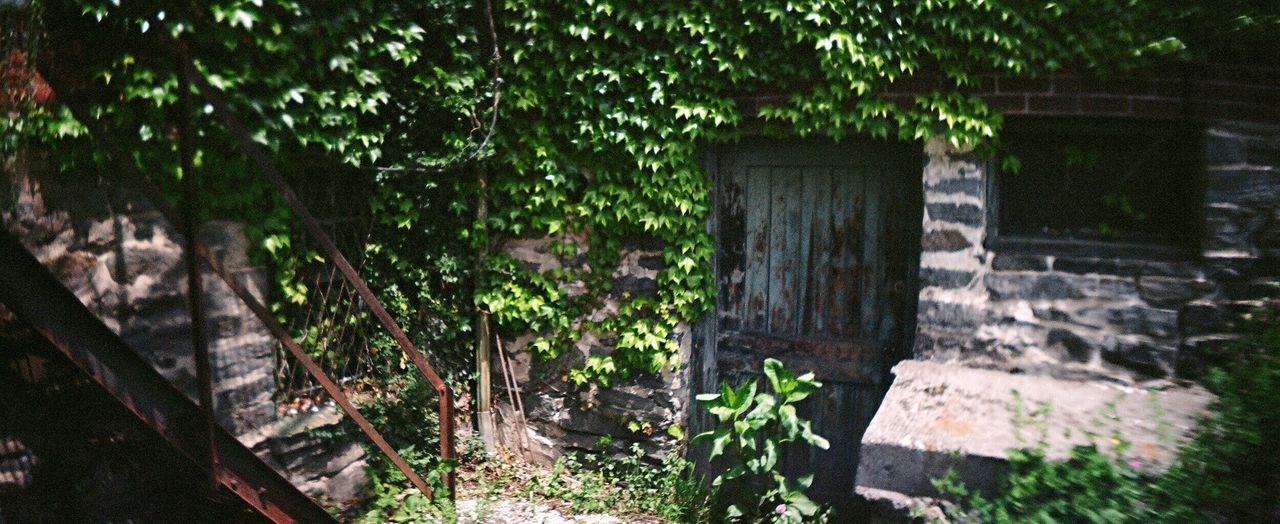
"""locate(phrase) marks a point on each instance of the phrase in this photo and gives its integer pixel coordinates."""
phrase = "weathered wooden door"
(818, 245)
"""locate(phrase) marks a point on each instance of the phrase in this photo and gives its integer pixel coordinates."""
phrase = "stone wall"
(124, 261)
(1121, 316)
(563, 417)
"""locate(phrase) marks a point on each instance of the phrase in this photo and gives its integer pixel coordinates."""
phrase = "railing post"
(447, 452)
(195, 291)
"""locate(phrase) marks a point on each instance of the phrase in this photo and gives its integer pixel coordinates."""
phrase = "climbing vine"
(607, 109)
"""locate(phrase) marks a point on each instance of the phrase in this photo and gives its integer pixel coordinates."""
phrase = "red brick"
(1244, 74)
(1174, 87)
(921, 83)
(1061, 104)
(903, 100)
(1120, 86)
(1006, 103)
(1214, 110)
(1241, 93)
(1108, 105)
(1023, 85)
(1156, 107)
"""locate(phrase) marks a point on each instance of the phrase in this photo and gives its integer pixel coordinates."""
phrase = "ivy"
(607, 110)
(612, 105)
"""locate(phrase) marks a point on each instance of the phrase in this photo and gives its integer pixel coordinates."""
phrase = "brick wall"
(1200, 92)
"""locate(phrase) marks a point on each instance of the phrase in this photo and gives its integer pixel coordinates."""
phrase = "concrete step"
(939, 416)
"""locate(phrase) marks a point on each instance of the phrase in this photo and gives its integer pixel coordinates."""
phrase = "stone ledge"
(938, 416)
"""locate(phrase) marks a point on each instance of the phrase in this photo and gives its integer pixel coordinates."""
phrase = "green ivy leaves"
(609, 108)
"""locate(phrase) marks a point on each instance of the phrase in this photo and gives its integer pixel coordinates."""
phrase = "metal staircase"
(36, 297)
(40, 300)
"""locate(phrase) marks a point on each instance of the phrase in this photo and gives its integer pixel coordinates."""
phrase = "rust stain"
(953, 426)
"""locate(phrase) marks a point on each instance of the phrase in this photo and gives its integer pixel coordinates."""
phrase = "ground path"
(499, 510)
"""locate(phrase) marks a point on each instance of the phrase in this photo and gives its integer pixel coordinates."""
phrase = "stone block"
(964, 186)
(1243, 186)
(1039, 286)
(931, 343)
(321, 468)
(1054, 286)
(1268, 237)
(1200, 318)
(1074, 347)
(1019, 262)
(1158, 323)
(227, 242)
(945, 278)
(1142, 355)
(1225, 150)
(1125, 267)
(651, 262)
(635, 285)
(1199, 353)
(948, 315)
(943, 240)
(1166, 291)
(967, 214)
(101, 233)
(939, 416)
(1230, 226)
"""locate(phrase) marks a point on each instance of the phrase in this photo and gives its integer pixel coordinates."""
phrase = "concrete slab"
(938, 416)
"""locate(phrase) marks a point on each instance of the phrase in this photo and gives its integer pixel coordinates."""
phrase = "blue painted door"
(817, 250)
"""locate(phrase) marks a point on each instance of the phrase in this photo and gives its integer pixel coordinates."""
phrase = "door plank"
(756, 280)
(872, 241)
(847, 216)
(730, 258)
(816, 182)
(784, 244)
(808, 233)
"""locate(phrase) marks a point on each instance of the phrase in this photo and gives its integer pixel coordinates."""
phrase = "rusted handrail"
(143, 183)
(317, 234)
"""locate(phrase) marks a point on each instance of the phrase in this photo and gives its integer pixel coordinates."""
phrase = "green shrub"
(754, 426)
(1230, 471)
(1090, 486)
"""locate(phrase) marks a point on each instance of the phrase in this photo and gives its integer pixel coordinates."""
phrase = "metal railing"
(350, 295)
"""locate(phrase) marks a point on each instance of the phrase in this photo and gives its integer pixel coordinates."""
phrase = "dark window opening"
(1123, 182)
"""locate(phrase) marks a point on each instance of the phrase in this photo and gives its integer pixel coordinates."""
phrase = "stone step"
(940, 416)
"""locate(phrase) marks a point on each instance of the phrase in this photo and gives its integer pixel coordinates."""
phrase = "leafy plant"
(1230, 470)
(390, 501)
(1090, 486)
(753, 428)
